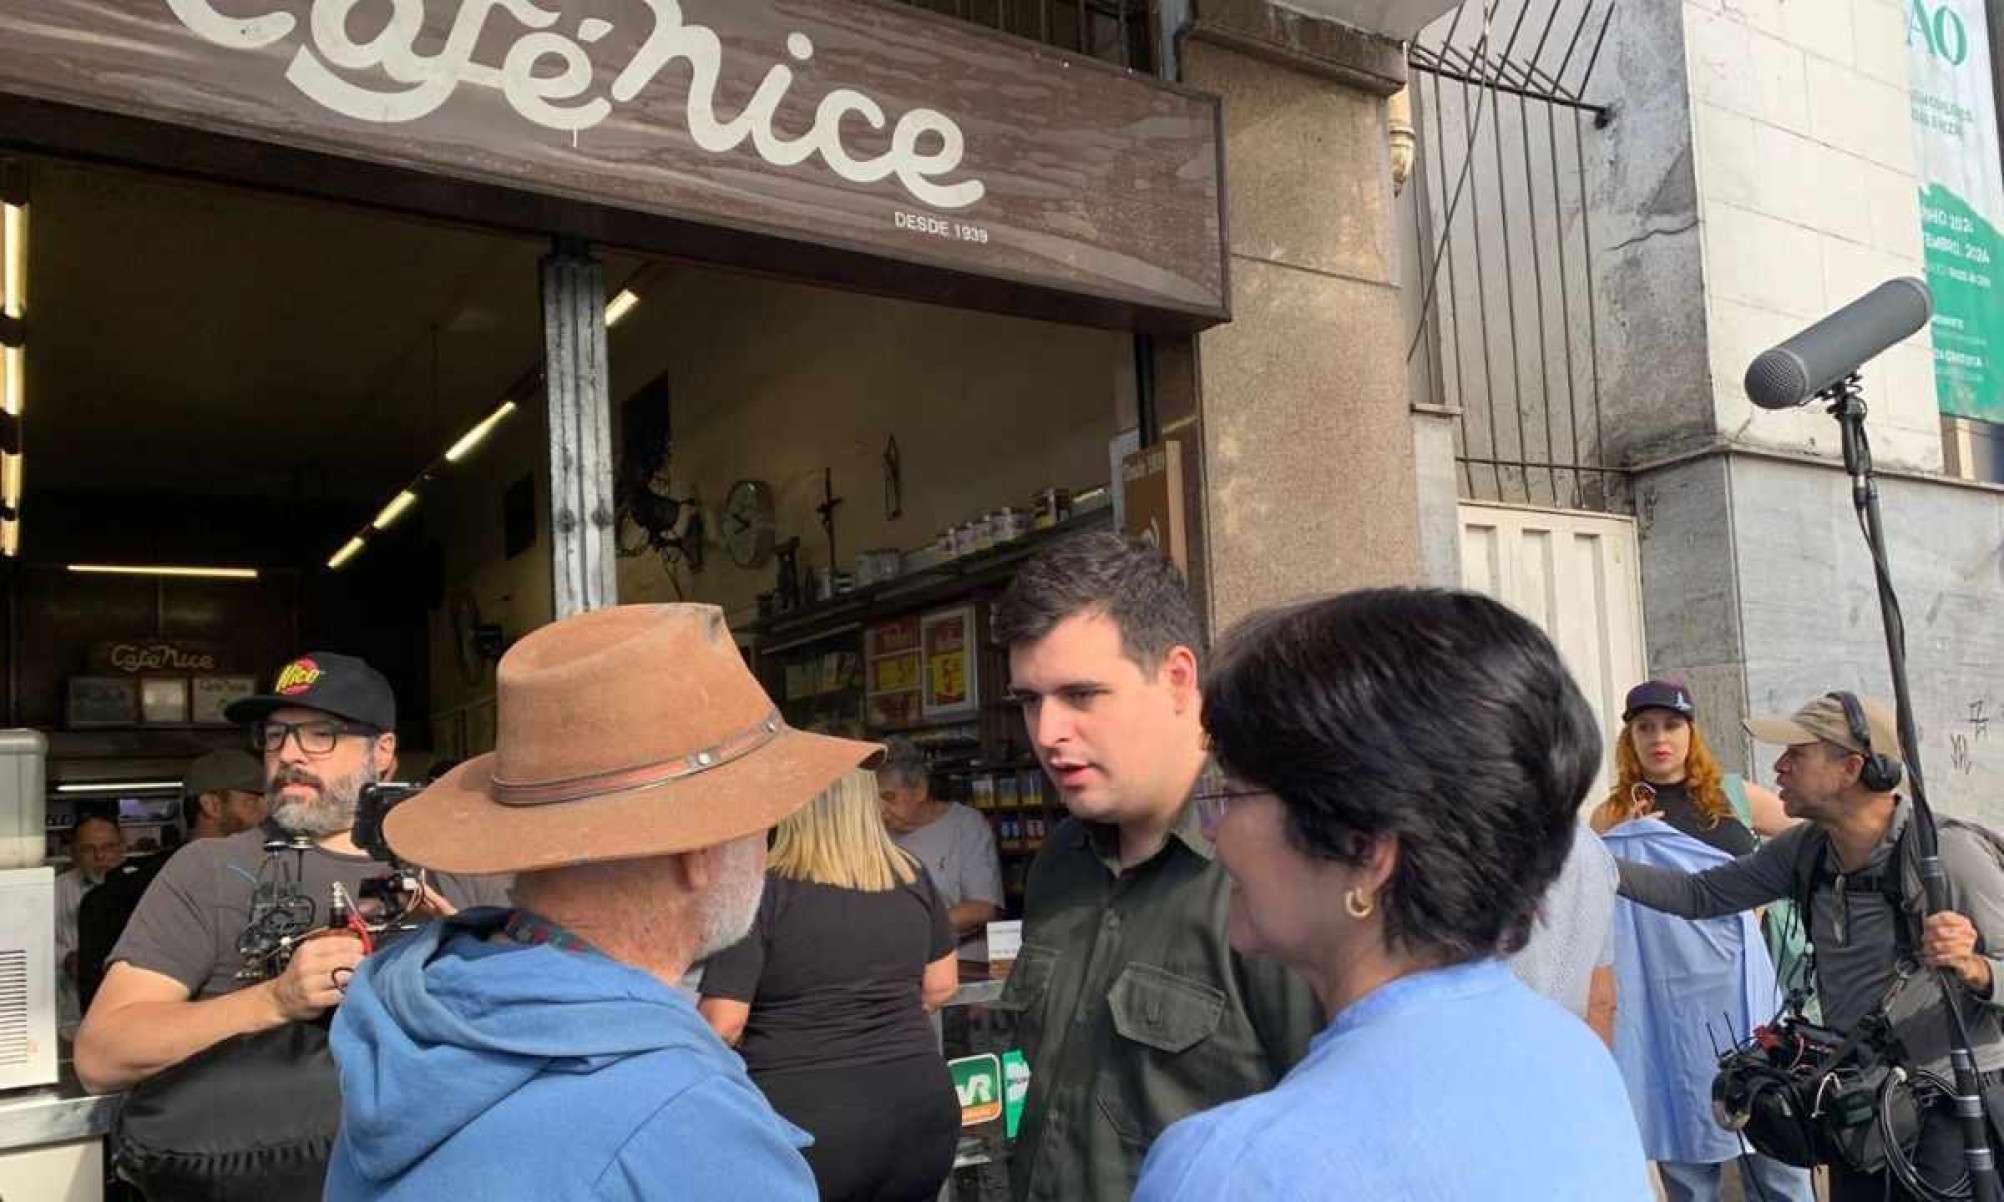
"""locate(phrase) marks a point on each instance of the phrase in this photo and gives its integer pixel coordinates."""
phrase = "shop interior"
(342, 410)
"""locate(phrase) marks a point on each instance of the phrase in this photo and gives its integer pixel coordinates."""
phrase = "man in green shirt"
(1132, 1009)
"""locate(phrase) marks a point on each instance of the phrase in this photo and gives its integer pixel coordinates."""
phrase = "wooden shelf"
(1011, 765)
(926, 724)
(921, 589)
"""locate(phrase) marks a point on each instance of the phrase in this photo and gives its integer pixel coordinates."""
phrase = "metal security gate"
(1499, 211)
(1578, 576)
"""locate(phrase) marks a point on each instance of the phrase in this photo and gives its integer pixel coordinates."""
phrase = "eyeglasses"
(1211, 807)
(314, 738)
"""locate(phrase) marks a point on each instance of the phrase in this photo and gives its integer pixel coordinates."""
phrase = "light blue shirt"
(1689, 990)
(1440, 1087)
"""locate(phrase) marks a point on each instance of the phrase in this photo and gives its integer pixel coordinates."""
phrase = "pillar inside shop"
(576, 383)
(1310, 477)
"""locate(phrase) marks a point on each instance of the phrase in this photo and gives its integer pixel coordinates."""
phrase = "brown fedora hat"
(625, 732)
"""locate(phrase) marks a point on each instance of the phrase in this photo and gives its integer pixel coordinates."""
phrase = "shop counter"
(52, 1141)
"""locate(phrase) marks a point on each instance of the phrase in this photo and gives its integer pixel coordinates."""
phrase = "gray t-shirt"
(958, 849)
(1853, 930)
(188, 924)
(1574, 933)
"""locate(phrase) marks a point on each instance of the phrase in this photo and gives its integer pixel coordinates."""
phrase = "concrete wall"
(1757, 172)
(1311, 483)
(1649, 277)
(1807, 198)
(1757, 572)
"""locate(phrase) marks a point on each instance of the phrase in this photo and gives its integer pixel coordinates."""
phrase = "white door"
(1579, 577)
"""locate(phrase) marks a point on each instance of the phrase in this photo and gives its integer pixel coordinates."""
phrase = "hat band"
(640, 776)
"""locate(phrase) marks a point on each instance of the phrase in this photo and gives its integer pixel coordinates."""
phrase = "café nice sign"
(550, 97)
(155, 656)
(861, 125)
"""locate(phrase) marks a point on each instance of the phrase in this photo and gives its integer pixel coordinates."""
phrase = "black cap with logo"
(1658, 695)
(341, 685)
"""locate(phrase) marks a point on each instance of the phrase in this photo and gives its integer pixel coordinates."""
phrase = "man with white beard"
(543, 1052)
(175, 983)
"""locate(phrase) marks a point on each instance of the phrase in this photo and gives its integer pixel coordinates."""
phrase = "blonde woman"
(827, 999)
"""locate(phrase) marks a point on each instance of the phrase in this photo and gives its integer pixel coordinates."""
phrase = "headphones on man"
(1880, 774)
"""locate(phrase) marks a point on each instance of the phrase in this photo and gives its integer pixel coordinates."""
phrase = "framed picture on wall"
(952, 685)
(210, 695)
(102, 701)
(163, 700)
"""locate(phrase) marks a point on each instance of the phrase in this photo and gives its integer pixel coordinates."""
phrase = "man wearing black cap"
(177, 981)
(1853, 866)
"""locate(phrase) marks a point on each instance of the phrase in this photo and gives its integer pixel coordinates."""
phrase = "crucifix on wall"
(829, 501)
(894, 481)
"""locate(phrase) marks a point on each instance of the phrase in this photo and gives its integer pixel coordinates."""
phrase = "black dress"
(838, 1038)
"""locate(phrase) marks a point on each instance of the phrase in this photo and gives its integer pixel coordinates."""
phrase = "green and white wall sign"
(1962, 200)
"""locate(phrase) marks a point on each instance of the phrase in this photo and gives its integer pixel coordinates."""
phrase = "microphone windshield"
(1836, 346)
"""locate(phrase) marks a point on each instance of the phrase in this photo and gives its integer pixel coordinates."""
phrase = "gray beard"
(727, 911)
(328, 814)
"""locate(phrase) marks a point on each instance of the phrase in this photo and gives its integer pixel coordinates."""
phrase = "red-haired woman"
(1665, 769)
(1678, 981)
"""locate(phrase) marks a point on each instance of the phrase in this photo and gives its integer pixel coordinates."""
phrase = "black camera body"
(374, 805)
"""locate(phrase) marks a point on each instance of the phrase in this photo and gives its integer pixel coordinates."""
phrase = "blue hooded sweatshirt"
(474, 1069)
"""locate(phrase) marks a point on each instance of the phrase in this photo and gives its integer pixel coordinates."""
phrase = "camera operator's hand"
(432, 904)
(317, 976)
(1948, 940)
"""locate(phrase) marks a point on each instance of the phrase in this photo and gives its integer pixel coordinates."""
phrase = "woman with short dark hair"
(1402, 773)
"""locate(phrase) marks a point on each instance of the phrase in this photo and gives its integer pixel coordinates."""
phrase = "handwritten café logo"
(546, 73)
(154, 657)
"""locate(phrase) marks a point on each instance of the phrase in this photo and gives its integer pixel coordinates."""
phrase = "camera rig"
(283, 914)
(1805, 1094)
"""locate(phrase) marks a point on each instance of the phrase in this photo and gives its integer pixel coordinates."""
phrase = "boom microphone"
(1835, 347)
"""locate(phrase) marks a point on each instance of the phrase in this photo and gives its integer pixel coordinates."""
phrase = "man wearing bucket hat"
(543, 1052)
(176, 981)
(1852, 867)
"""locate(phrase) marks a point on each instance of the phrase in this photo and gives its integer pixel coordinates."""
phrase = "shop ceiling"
(204, 340)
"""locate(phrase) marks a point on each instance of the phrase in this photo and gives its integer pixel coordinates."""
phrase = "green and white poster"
(1961, 202)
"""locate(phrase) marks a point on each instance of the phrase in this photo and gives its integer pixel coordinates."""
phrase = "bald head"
(96, 847)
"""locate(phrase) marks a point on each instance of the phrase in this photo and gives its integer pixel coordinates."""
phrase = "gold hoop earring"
(1358, 903)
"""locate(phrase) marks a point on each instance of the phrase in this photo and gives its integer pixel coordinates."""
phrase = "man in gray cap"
(221, 794)
(1853, 869)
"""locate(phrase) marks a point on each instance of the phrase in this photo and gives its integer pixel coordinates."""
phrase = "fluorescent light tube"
(348, 551)
(13, 379)
(120, 786)
(395, 509)
(13, 260)
(123, 569)
(472, 437)
(620, 306)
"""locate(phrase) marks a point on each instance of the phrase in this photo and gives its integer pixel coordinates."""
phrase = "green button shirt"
(1133, 1011)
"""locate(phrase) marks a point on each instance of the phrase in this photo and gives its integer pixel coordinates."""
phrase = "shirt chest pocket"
(1158, 1009)
(1166, 1059)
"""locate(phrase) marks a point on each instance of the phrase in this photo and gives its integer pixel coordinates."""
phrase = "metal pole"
(577, 385)
(1847, 405)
